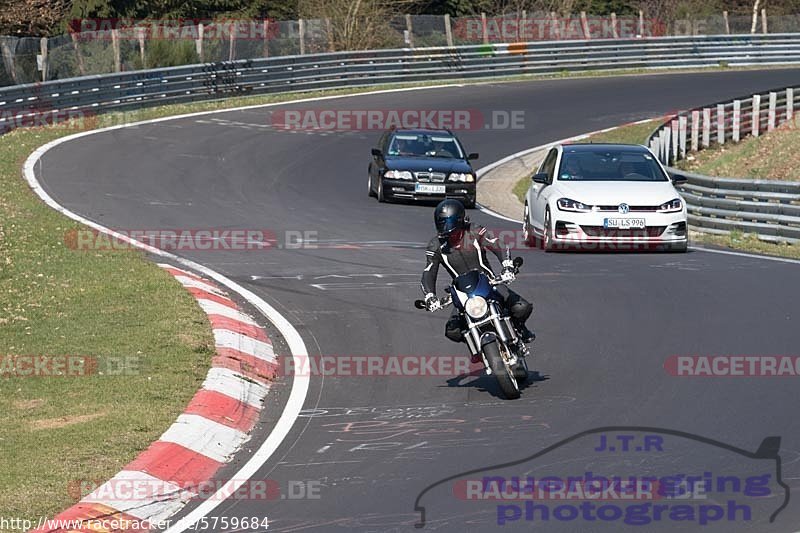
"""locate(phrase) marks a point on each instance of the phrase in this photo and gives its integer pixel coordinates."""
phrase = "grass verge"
(152, 342)
(772, 156)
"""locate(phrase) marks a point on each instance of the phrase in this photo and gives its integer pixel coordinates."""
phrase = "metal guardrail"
(769, 209)
(27, 104)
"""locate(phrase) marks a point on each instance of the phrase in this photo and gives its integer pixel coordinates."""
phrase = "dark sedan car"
(421, 165)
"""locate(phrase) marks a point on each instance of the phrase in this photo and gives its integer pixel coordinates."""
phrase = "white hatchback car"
(604, 196)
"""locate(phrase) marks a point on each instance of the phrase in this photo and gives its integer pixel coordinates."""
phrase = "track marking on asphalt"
(745, 254)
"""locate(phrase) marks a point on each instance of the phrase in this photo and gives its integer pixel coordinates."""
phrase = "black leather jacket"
(469, 254)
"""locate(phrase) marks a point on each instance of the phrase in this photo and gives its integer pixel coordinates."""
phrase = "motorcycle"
(489, 331)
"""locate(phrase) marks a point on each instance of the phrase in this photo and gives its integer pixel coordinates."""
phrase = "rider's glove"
(509, 272)
(432, 303)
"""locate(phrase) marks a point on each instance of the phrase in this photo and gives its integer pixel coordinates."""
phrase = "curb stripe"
(140, 495)
(248, 366)
(175, 463)
(213, 308)
(230, 383)
(205, 295)
(236, 341)
(204, 437)
(223, 409)
(159, 482)
(230, 324)
(202, 285)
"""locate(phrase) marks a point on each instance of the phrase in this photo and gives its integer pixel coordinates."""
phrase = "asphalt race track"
(606, 323)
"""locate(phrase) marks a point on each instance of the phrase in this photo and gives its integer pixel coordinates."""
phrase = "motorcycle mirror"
(419, 304)
(518, 262)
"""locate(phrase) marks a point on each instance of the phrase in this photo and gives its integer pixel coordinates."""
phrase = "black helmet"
(449, 216)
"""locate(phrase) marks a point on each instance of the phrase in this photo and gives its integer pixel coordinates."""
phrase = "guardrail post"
(232, 44)
(667, 143)
(682, 136)
(706, 127)
(140, 38)
(773, 102)
(555, 28)
(115, 46)
(695, 130)
(721, 123)
(727, 25)
(614, 31)
(641, 23)
(8, 58)
(585, 23)
(410, 29)
(521, 27)
(485, 28)
(756, 115)
(789, 104)
(302, 30)
(328, 35)
(198, 44)
(737, 111)
(43, 50)
(675, 139)
(448, 30)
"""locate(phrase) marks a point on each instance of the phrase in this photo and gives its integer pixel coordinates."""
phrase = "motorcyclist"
(460, 249)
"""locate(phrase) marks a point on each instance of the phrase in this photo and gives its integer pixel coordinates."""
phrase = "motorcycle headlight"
(476, 307)
(567, 204)
(398, 175)
(462, 177)
(672, 206)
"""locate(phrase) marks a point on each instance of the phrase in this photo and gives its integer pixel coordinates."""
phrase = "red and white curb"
(215, 424)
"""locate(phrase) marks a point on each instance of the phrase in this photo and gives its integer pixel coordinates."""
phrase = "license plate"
(624, 223)
(429, 189)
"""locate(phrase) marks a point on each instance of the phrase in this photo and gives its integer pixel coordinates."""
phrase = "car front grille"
(633, 208)
(600, 231)
(430, 177)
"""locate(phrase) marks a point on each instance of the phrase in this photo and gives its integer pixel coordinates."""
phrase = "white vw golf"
(604, 196)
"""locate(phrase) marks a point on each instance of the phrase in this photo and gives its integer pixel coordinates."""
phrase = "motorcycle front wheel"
(503, 374)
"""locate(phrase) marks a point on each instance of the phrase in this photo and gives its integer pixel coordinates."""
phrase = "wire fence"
(114, 45)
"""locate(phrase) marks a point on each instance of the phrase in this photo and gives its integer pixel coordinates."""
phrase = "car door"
(539, 192)
(376, 164)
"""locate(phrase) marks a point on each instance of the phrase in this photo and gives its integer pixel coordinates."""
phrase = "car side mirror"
(472, 157)
(540, 177)
(679, 179)
(377, 153)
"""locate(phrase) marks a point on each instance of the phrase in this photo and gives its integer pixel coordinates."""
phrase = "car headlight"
(566, 204)
(464, 177)
(476, 307)
(398, 175)
(673, 206)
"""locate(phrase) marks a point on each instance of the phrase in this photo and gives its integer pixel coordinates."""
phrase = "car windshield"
(424, 145)
(609, 165)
